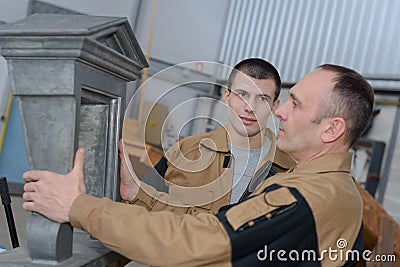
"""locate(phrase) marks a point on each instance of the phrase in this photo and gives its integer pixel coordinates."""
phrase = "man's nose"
(250, 105)
(280, 112)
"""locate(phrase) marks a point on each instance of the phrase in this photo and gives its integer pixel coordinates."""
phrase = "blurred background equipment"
(6, 201)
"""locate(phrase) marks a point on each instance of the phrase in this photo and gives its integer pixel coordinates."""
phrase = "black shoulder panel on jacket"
(358, 246)
(162, 166)
(246, 193)
(278, 237)
(155, 177)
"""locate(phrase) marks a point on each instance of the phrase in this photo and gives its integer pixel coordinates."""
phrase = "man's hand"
(52, 194)
(129, 185)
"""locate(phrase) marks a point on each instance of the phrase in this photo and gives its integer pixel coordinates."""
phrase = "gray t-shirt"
(246, 162)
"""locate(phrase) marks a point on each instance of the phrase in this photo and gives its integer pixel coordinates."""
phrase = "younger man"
(207, 171)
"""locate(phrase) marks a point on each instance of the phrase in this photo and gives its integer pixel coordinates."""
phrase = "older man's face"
(298, 136)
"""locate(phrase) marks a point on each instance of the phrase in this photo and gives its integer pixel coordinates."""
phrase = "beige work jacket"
(199, 178)
(163, 238)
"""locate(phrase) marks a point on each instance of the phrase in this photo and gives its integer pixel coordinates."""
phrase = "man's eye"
(263, 98)
(242, 94)
(294, 104)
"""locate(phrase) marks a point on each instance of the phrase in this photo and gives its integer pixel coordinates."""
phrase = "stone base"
(86, 252)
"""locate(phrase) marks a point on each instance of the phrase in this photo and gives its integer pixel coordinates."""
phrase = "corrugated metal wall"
(298, 35)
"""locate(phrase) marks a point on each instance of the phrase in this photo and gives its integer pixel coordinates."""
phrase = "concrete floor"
(21, 218)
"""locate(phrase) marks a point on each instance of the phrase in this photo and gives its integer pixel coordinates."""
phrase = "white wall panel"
(297, 36)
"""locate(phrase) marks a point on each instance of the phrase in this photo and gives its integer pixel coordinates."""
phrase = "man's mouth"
(248, 121)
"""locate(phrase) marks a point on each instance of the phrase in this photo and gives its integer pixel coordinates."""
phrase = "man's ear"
(334, 128)
(226, 95)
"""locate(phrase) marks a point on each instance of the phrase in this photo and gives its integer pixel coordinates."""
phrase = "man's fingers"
(28, 206)
(27, 196)
(30, 187)
(77, 171)
(32, 176)
(121, 145)
(122, 151)
(79, 161)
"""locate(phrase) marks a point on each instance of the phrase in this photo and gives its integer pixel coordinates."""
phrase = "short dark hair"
(259, 69)
(352, 99)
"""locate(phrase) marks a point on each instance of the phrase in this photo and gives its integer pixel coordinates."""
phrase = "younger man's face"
(250, 103)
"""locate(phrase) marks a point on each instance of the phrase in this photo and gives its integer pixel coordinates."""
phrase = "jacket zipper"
(260, 171)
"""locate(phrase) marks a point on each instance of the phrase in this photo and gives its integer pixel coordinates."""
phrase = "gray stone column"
(69, 75)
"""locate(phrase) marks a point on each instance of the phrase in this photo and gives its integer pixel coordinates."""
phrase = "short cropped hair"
(259, 69)
(352, 98)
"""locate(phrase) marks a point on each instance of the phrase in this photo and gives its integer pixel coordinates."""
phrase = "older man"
(309, 216)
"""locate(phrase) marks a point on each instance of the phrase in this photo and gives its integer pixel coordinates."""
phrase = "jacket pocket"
(262, 205)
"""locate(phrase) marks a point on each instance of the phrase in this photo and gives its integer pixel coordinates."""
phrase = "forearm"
(154, 200)
(154, 238)
(154, 197)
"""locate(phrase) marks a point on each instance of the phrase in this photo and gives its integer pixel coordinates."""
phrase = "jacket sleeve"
(154, 193)
(153, 200)
(153, 238)
(276, 219)
(155, 177)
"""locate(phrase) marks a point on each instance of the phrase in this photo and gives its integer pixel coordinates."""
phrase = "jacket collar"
(339, 162)
(283, 160)
(217, 141)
